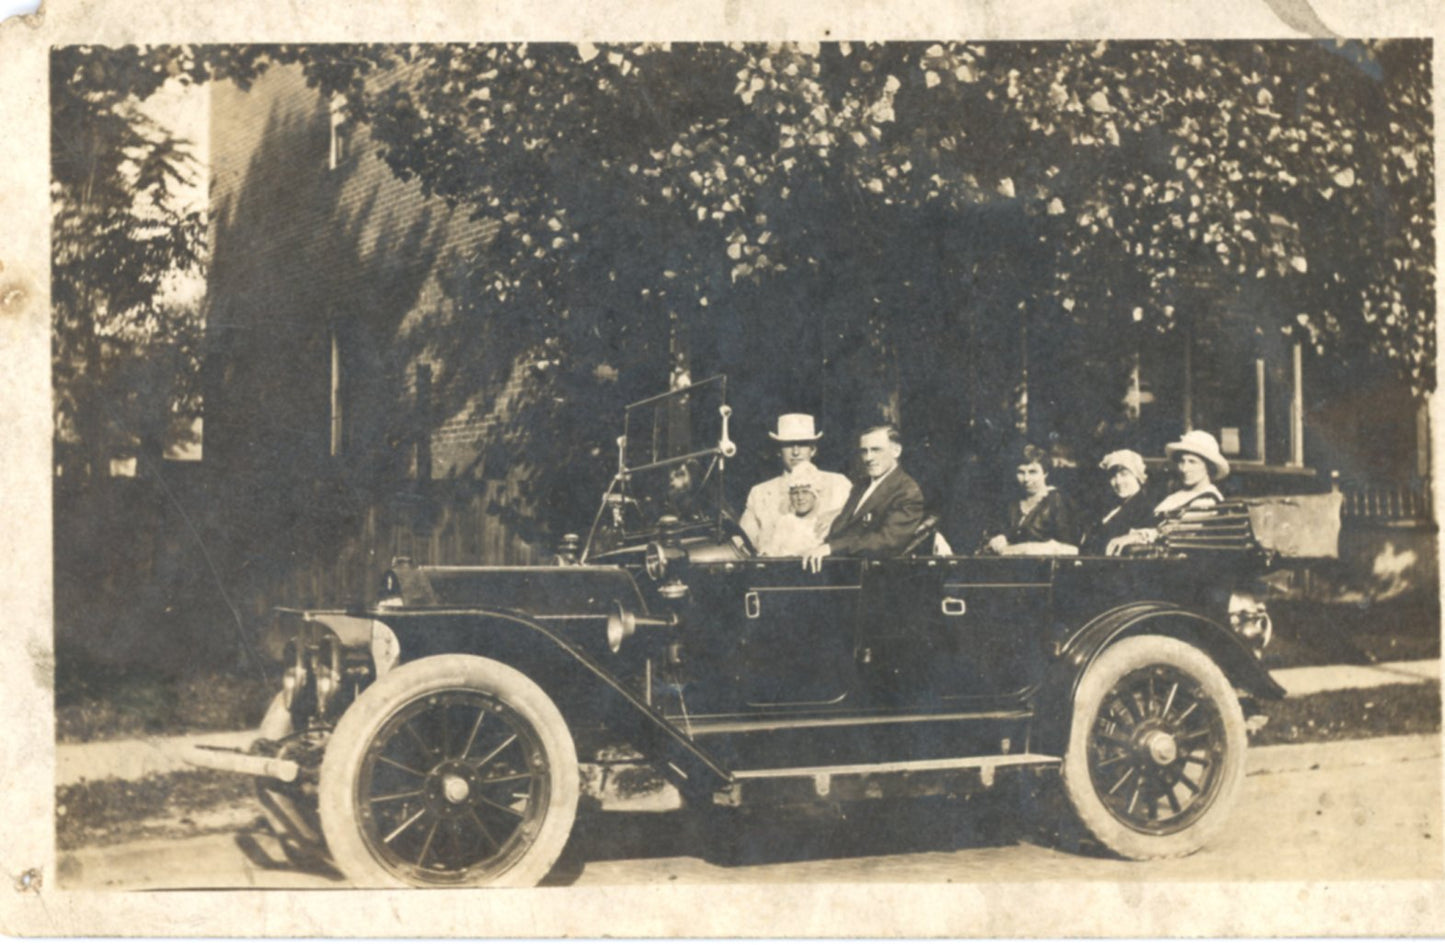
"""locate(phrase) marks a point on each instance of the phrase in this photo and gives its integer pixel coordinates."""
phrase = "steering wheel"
(925, 531)
(734, 529)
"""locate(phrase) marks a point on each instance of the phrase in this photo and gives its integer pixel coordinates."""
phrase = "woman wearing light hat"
(1134, 508)
(1198, 464)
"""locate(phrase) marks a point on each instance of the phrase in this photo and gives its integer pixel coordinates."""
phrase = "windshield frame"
(627, 518)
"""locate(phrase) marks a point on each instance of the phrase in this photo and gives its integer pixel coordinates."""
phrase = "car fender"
(584, 690)
(1054, 699)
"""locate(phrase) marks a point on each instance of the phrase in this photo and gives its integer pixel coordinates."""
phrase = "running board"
(876, 780)
(698, 728)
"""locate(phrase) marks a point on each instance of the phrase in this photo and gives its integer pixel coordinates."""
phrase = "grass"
(1403, 709)
(97, 813)
(105, 704)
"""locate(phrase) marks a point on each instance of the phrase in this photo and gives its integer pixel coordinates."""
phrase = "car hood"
(564, 590)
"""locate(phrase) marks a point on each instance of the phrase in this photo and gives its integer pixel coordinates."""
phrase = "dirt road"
(1362, 810)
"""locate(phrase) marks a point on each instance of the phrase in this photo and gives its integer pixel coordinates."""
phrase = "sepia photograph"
(776, 464)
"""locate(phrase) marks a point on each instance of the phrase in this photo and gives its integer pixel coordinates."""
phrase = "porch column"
(1259, 417)
(1297, 407)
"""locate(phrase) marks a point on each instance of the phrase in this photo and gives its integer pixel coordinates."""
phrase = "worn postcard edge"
(33, 903)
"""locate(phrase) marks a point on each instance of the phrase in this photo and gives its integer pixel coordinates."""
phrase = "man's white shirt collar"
(871, 486)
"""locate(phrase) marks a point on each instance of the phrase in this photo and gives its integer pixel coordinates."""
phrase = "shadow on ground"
(1001, 817)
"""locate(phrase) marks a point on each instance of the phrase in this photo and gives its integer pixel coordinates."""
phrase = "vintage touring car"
(444, 735)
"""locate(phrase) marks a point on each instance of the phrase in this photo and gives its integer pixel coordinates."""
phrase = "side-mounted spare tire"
(1156, 748)
(449, 771)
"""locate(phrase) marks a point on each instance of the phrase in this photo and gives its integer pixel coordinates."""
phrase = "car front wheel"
(449, 771)
(1156, 748)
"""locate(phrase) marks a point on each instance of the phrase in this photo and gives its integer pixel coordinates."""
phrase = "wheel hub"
(1162, 748)
(1157, 750)
(455, 788)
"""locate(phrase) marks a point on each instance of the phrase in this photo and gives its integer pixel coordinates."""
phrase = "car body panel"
(761, 662)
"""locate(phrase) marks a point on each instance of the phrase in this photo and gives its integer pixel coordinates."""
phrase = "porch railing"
(1376, 502)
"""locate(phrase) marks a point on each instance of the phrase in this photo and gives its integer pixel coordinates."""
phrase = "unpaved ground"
(187, 803)
(1323, 812)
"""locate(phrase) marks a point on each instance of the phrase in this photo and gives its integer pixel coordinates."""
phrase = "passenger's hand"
(996, 545)
(1137, 536)
(813, 560)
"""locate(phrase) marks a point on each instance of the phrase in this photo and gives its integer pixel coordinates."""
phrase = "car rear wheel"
(449, 771)
(1156, 748)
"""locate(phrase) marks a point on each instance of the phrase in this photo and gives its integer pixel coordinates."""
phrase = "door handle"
(752, 605)
(954, 606)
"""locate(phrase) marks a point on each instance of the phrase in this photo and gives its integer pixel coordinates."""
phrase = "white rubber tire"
(1082, 786)
(362, 858)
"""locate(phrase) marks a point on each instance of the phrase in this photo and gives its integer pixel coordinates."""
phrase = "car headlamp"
(294, 678)
(328, 672)
(623, 623)
(1249, 618)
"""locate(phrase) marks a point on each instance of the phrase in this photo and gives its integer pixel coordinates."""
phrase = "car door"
(949, 629)
(797, 640)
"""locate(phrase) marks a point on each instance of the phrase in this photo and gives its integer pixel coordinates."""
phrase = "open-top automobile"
(445, 734)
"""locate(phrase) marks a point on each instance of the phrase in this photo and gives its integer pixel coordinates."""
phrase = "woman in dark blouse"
(1041, 521)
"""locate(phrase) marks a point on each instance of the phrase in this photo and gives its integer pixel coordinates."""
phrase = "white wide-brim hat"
(795, 428)
(1202, 444)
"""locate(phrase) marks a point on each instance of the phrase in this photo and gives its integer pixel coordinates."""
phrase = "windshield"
(671, 459)
(677, 425)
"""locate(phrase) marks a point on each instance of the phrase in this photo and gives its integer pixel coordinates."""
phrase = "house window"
(1248, 395)
(342, 128)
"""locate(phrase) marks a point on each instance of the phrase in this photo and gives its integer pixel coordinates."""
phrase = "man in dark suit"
(882, 511)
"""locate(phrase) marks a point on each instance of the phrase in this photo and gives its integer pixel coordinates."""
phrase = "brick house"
(330, 296)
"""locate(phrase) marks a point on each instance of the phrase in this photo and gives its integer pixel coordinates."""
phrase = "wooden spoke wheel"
(450, 771)
(1156, 748)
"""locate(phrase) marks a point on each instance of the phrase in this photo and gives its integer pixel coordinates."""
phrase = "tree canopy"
(1302, 166)
(845, 223)
(833, 218)
(122, 354)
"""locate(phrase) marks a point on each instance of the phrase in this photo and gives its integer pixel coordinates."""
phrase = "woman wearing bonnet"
(1198, 465)
(1133, 509)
